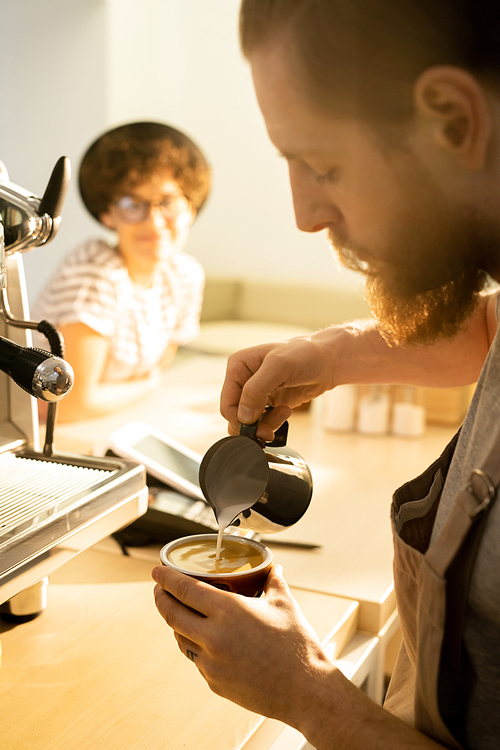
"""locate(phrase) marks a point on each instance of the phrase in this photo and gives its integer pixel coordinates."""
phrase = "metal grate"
(32, 489)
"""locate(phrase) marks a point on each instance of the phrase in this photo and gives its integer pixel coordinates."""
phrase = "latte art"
(199, 556)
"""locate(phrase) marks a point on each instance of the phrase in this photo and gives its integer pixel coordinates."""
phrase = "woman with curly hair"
(123, 308)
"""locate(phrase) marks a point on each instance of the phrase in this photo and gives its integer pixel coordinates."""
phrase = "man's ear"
(456, 107)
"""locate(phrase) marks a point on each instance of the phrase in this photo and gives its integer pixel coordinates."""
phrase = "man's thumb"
(275, 580)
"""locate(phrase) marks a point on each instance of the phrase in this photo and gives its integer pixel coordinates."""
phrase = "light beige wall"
(54, 88)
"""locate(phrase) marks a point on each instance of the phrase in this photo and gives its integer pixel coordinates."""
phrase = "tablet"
(164, 458)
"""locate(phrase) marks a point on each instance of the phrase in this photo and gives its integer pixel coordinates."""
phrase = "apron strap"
(454, 554)
(471, 506)
(452, 558)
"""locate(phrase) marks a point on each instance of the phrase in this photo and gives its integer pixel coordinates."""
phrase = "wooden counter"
(100, 669)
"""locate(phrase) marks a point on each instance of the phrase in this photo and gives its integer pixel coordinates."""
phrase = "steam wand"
(56, 343)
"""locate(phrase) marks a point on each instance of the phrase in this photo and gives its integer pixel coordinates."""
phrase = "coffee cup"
(242, 569)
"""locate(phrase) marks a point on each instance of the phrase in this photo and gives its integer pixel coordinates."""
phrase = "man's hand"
(263, 655)
(260, 653)
(283, 374)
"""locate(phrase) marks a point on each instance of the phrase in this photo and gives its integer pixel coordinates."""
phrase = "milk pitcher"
(265, 487)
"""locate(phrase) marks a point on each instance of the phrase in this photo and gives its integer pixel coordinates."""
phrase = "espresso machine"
(52, 505)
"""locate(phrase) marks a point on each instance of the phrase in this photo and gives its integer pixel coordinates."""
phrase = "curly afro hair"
(128, 155)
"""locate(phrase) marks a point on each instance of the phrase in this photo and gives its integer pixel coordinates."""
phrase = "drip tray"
(52, 508)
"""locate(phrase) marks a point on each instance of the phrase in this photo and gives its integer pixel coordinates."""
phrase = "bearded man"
(388, 114)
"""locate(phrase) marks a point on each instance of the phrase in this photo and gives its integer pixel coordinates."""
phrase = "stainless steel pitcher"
(266, 487)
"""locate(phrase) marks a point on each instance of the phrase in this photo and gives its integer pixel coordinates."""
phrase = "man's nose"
(313, 206)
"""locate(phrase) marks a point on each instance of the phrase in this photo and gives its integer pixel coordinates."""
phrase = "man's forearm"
(360, 354)
(346, 719)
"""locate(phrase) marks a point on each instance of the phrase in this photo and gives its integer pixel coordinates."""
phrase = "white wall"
(52, 96)
(92, 64)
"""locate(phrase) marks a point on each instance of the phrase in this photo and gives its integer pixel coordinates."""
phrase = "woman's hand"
(87, 352)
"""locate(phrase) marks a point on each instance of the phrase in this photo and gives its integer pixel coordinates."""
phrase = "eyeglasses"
(134, 211)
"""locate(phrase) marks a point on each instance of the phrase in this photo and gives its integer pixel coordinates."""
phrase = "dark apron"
(431, 585)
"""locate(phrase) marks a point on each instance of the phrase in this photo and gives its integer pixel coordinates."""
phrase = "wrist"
(346, 352)
(342, 717)
(321, 717)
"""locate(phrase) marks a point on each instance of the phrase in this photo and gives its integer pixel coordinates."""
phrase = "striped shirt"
(92, 286)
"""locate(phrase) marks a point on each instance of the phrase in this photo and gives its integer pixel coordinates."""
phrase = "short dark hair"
(368, 53)
(125, 156)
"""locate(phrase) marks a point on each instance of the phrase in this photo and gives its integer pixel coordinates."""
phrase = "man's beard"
(431, 283)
